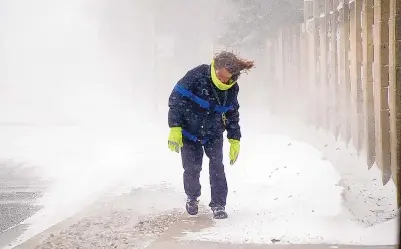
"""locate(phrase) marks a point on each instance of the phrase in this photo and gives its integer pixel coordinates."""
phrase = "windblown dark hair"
(234, 64)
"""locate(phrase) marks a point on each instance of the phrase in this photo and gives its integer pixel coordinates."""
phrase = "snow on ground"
(280, 188)
(365, 197)
(283, 188)
(386, 231)
(131, 220)
(72, 110)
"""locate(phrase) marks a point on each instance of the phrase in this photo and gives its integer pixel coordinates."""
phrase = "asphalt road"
(20, 187)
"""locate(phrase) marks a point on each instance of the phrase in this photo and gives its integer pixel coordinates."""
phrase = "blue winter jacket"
(199, 121)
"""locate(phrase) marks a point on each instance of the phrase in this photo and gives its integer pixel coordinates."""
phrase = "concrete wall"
(340, 71)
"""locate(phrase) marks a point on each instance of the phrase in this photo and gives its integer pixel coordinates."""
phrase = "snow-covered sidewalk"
(280, 191)
(145, 218)
(132, 220)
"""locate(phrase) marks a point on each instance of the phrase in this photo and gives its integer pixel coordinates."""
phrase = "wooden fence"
(340, 71)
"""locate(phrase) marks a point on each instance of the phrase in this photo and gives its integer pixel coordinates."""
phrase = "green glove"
(234, 150)
(175, 139)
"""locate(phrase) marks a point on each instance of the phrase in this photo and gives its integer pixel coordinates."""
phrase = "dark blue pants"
(192, 157)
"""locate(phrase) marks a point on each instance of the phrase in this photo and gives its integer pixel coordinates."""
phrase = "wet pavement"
(20, 187)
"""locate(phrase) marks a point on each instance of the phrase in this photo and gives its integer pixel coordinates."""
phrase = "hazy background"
(84, 86)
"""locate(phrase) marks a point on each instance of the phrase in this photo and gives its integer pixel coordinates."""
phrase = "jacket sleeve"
(178, 103)
(233, 128)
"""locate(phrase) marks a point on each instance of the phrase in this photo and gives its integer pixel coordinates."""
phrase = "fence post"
(296, 68)
(367, 75)
(310, 24)
(345, 72)
(277, 48)
(356, 86)
(270, 62)
(277, 79)
(381, 11)
(323, 66)
(304, 69)
(288, 72)
(334, 94)
(330, 65)
(395, 92)
(284, 71)
(315, 61)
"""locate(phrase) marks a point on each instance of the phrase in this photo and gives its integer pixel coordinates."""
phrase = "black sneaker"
(192, 206)
(219, 212)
